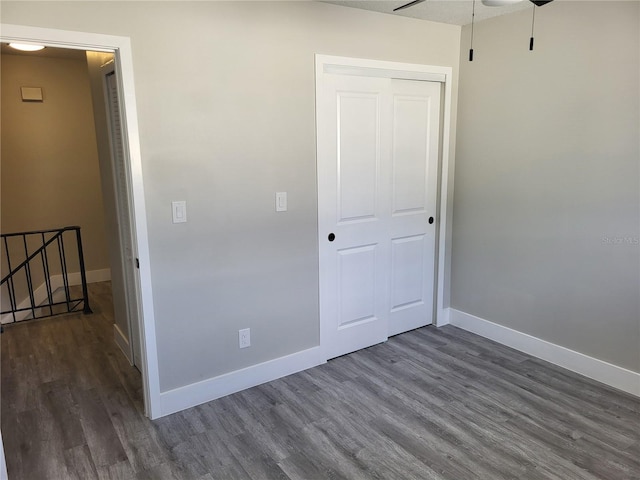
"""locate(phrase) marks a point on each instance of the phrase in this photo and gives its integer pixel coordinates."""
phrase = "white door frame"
(410, 71)
(121, 46)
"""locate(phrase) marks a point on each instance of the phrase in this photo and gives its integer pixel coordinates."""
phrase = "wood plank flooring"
(428, 404)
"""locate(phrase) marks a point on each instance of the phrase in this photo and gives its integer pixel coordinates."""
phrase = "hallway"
(69, 395)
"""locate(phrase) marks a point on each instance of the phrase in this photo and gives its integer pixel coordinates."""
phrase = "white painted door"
(377, 186)
(414, 187)
(354, 250)
(127, 283)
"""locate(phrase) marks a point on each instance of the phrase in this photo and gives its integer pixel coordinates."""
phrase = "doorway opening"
(127, 200)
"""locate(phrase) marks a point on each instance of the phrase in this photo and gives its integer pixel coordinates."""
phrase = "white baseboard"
(3, 463)
(197, 393)
(40, 293)
(122, 341)
(93, 276)
(443, 317)
(607, 373)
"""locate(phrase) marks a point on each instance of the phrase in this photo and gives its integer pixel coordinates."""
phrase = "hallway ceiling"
(454, 12)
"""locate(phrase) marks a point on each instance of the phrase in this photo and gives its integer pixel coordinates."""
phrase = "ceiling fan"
(488, 3)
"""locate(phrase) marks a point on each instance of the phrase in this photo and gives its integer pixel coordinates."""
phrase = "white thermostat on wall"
(31, 94)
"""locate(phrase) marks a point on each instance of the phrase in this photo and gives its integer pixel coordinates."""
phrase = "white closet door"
(414, 185)
(377, 167)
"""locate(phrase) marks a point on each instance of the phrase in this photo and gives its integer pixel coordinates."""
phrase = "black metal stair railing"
(42, 260)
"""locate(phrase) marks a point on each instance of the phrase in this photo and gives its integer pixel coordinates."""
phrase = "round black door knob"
(430, 220)
(331, 237)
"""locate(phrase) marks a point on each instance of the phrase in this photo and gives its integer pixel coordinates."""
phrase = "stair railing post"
(10, 286)
(83, 274)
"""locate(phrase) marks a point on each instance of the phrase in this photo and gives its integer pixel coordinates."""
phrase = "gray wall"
(546, 209)
(225, 96)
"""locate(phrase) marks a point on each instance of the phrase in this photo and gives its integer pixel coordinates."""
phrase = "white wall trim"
(3, 462)
(121, 46)
(93, 276)
(123, 342)
(40, 292)
(201, 392)
(447, 168)
(444, 317)
(607, 373)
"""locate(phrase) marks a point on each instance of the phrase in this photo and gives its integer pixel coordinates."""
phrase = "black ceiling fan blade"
(411, 4)
(539, 3)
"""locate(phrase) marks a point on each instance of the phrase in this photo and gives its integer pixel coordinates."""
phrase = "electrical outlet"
(244, 338)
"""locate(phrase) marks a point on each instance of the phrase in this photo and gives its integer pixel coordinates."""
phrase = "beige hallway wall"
(50, 174)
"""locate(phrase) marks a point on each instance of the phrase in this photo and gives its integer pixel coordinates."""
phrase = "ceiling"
(455, 12)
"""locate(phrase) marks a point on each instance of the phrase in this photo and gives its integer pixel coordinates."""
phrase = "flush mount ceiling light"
(26, 47)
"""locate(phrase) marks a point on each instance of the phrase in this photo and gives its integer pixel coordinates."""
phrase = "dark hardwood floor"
(428, 404)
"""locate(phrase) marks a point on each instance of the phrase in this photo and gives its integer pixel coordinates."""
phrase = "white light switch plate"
(244, 338)
(281, 201)
(179, 210)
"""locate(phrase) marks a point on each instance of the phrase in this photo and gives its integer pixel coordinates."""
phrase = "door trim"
(409, 71)
(121, 46)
